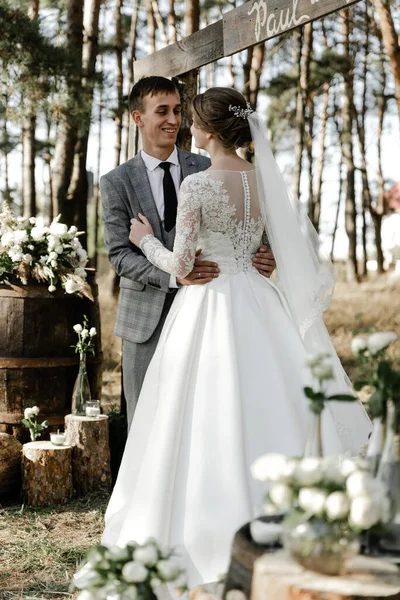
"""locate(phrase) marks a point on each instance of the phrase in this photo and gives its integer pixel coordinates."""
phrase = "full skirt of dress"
(225, 385)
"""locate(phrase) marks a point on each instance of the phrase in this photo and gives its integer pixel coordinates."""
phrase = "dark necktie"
(170, 199)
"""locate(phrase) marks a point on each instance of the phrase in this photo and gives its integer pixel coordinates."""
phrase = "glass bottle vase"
(313, 445)
(81, 392)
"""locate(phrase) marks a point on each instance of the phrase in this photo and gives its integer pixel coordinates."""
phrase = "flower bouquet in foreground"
(53, 254)
(327, 502)
(134, 572)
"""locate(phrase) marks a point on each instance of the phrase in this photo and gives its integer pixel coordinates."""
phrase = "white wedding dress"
(224, 386)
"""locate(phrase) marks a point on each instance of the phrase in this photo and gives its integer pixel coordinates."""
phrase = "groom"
(149, 184)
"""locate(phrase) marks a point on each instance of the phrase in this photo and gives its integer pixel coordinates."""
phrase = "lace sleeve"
(180, 261)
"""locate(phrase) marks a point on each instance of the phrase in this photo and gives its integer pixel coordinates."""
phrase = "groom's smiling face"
(159, 122)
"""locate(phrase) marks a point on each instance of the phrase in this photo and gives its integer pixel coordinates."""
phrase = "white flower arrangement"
(53, 254)
(30, 422)
(134, 572)
(334, 489)
(84, 344)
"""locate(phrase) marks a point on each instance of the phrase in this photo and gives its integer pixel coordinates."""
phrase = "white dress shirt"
(156, 175)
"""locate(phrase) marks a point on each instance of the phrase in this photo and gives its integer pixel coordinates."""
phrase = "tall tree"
(192, 16)
(391, 39)
(120, 109)
(131, 59)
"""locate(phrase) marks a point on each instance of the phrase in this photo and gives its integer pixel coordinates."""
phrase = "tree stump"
(90, 452)
(10, 465)
(278, 577)
(46, 474)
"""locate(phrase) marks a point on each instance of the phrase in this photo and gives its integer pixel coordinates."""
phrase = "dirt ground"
(41, 548)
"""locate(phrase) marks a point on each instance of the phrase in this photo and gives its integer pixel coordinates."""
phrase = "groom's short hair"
(149, 86)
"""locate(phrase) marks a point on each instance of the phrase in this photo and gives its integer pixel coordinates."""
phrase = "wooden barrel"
(37, 364)
(244, 553)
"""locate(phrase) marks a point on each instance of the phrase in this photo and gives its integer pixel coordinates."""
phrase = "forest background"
(329, 91)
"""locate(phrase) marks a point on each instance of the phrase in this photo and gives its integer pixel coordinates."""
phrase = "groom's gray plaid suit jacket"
(125, 192)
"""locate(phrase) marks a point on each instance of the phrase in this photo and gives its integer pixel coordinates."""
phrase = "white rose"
(15, 254)
(130, 593)
(80, 272)
(27, 258)
(28, 413)
(35, 410)
(117, 553)
(58, 228)
(32, 220)
(314, 358)
(52, 241)
(358, 345)
(323, 370)
(155, 583)
(52, 288)
(78, 328)
(59, 249)
(364, 512)
(53, 255)
(349, 465)
(134, 572)
(281, 495)
(380, 340)
(168, 569)
(86, 595)
(85, 577)
(361, 483)
(37, 233)
(7, 238)
(269, 467)
(71, 286)
(84, 334)
(92, 331)
(20, 236)
(337, 506)
(309, 471)
(332, 472)
(312, 500)
(147, 555)
(72, 230)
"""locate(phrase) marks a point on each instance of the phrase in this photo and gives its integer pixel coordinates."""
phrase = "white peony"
(364, 512)
(358, 345)
(362, 483)
(7, 238)
(15, 253)
(309, 471)
(35, 410)
(92, 331)
(155, 583)
(117, 553)
(71, 286)
(168, 569)
(78, 328)
(84, 334)
(312, 500)
(337, 506)
(281, 495)
(147, 555)
(332, 471)
(380, 340)
(20, 236)
(52, 288)
(134, 572)
(269, 467)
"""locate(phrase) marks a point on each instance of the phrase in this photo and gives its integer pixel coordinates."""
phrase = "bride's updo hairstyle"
(211, 114)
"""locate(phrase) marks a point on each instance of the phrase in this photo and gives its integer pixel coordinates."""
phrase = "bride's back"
(231, 224)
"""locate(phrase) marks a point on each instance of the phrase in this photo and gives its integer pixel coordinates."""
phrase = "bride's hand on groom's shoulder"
(264, 261)
(139, 229)
(203, 272)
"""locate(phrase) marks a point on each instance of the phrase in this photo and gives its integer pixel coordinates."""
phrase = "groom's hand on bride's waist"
(203, 272)
(264, 261)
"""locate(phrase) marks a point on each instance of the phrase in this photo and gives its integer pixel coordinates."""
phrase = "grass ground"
(40, 548)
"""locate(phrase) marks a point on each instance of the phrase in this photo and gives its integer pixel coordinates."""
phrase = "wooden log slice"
(90, 452)
(10, 465)
(46, 474)
(278, 577)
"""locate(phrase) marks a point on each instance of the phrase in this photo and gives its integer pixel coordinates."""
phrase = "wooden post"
(46, 474)
(277, 576)
(188, 86)
(90, 452)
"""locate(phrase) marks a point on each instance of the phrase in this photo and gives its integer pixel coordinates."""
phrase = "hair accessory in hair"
(242, 113)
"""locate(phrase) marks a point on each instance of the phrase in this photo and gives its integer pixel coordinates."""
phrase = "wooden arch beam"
(252, 22)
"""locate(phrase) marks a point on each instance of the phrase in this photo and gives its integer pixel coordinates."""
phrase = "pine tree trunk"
(192, 16)
(347, 147)
(151, 27)
(67, 133)
(392, 42)
(129, 79)
(7, 191)
(119, 81)
(320, 160)
(172, 23)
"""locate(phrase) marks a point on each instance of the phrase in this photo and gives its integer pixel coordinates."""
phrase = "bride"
(225, 383)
